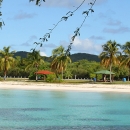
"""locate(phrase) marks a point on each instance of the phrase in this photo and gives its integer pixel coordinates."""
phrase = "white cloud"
(30, 40)
(69, 3)
(97, 37)
(33, 37)
(42, 53)
(25, 44)
(86, 46)
(24, 15)
(114, 22)
(116, 30)
(50, 45)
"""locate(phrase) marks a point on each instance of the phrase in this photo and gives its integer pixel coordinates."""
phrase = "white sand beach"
(65, 87)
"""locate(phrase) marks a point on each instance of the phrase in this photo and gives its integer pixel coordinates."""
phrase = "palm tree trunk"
(62, 73)
(5, 70)
(36, 77)
(36, 71)
(5, 75)
(110, 72)
(129, 75)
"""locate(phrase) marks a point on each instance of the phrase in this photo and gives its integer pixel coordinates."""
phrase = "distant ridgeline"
(81, 56)
(74, 57)
(22, 54)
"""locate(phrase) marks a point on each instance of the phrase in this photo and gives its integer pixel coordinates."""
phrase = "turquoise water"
(63, 110)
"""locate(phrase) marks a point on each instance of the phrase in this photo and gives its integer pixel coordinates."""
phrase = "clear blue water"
(63, 110)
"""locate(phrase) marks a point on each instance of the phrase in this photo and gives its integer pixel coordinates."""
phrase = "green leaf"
(86, 12)
(49, 36)
(73, 38)
(0, 24)
(41, 45)
(91, 10)
(64, 18)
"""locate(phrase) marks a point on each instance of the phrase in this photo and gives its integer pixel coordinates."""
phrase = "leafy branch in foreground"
(64, 18)
(38, 2)
(1, 21)
(76, 32)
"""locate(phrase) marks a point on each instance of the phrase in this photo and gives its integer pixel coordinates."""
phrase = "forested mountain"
(74, 57)
(22, 54)
(80, 56)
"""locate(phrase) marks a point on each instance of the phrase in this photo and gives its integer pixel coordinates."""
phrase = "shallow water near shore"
(67, 110)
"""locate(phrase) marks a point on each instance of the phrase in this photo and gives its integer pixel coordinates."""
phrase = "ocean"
(64, 110)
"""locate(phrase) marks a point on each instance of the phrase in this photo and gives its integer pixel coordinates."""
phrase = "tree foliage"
(34, 60)
(7, 60)
(80, 69)
(110, 55)
(126, 58)
(60, 61)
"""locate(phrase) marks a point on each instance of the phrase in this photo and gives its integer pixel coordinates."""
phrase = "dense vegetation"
(22, 66)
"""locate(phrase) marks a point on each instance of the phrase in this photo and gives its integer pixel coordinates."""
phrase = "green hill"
(23, 54)
(80, 56)
(74, 57)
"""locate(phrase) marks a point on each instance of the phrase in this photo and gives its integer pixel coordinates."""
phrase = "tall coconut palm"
(58, 51)
(59, 64)
(7, 60)
(110, 55)
(34, 60)
(126, 57)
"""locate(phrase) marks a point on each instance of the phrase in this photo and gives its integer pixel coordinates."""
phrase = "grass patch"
(70, 81)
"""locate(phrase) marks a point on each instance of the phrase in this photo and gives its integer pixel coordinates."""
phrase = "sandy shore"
(64, 87)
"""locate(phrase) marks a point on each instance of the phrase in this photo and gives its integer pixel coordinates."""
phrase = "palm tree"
(7, 60)
(34, 60)
(126, 57)
(59, 63)
(58, 51)
(110, 55)
(18, 60)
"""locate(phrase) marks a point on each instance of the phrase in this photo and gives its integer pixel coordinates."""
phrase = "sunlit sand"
(64, 87)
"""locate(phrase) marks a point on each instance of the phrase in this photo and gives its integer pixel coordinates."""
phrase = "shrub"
(59, 79)
(32, 76)
(1, 79)
(51, 78)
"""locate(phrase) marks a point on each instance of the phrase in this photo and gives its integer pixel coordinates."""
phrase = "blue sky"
(25, 23)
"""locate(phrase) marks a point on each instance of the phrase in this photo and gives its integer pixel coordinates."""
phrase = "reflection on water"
(31, 110)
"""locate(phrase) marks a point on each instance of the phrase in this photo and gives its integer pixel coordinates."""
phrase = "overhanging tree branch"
(1, 21)
(76, 32)
(64, 18)
(38, 2)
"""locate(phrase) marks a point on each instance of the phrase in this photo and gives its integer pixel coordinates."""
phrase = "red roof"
(44, 72)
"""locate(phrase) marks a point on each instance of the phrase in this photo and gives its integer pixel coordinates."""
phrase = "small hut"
(104, 73)
(43, 72)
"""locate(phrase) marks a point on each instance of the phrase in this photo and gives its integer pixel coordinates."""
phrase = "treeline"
(26, 67)
(81, 69)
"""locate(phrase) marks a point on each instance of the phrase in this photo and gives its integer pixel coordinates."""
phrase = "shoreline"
(21, 85)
